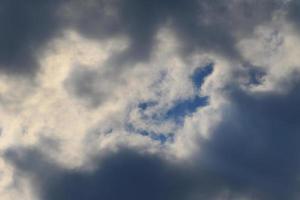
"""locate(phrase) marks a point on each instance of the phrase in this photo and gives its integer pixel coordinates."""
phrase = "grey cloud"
(205, 25)
(82, 83)
(92, 86)
(293, 12)
(123, 175)
(25, 27)
(257, 144)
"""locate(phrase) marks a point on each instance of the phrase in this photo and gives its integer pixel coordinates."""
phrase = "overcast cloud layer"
(151, 100)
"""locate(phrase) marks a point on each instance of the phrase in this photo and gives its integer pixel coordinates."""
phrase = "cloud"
(207, 25)
(122, 175)
(26, 27)
(256, 143)
(136, 99)
(292, 13)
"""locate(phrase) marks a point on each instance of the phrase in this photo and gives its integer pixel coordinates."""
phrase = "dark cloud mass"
(207, 25)
(293, 13)
(257, 144)
(122, 175)
(25, 27)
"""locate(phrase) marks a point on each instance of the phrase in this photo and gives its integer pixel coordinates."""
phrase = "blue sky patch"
(178, 111)
(201, 73)
(185, 107)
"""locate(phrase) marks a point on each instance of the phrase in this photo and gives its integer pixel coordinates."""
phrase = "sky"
(150, 100)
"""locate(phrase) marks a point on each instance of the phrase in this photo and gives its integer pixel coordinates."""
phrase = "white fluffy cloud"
(274, 48)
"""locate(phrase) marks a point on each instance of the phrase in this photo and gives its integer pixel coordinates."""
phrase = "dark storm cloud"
(257, 144)
(293, 12)
(206, 25)
(25, 27)
(123, 175)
